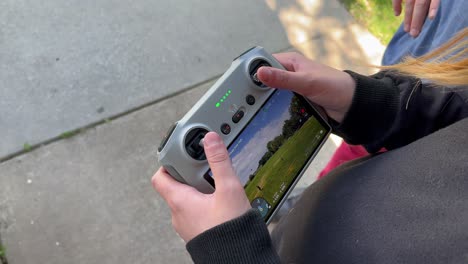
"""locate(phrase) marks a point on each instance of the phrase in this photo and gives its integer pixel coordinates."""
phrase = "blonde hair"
(446, 65)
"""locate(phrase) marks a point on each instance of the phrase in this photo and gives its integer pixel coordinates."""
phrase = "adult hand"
(194, 212)
(329, 88)
(415, 13)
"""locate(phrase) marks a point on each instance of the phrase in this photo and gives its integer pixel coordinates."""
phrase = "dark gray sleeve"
(389, 110)
(242, 240)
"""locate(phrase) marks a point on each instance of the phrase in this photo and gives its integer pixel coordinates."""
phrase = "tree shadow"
(324, 31)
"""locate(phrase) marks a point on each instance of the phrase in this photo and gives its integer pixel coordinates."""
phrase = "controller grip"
(173, 172)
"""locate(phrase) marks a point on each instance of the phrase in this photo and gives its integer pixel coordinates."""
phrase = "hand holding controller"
(194, 212)
(226, 108)
(327, 87)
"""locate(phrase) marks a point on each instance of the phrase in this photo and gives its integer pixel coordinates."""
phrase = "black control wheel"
(192, 143)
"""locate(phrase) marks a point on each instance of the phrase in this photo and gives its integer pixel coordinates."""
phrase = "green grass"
(2, 251)
(284, 165)
(69, 134)
(27, 147)
(376, 15)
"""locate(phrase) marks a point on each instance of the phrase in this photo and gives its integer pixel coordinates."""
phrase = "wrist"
(344, 88)
(372, 112)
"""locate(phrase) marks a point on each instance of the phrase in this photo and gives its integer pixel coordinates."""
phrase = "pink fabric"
(343, 153)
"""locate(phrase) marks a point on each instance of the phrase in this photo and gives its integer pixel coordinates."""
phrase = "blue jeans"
(451, 17)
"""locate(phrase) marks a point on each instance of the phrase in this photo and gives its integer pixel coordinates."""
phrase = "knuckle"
(157, 184)
(218, 156)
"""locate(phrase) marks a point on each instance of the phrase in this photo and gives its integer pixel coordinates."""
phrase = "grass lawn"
(376, 15)
(280, 170)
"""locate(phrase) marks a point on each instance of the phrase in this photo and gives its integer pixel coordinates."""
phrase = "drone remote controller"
(271, 134)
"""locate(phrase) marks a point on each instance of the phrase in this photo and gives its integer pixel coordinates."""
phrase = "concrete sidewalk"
(88, 199)
(67, 64)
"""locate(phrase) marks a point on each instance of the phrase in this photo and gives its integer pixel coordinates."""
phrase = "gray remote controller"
(226, 108)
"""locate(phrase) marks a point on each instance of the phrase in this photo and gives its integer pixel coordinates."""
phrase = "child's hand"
(329, 88)
(194, 212)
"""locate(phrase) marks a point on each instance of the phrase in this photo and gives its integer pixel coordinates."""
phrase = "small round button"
(250, 99)
(225, 128)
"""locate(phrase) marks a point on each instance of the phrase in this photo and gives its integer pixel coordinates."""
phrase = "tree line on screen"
(289, 127)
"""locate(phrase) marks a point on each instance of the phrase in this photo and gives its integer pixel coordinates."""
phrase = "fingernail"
(414, 32)
(406, 28)
(211, 139)
(432, 13)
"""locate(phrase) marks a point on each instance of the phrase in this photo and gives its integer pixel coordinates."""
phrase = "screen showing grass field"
(271, 151)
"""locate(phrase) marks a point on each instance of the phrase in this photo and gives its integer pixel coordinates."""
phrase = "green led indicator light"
(218, 104)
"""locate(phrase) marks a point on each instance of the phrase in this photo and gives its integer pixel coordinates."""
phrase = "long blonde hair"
(446, 65)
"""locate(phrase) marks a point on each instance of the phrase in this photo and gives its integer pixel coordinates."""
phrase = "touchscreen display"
(271, 151)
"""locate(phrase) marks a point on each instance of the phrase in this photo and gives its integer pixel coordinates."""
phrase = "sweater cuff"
(372, 112)
(242, 240)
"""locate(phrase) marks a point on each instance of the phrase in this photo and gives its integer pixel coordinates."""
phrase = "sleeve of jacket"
(242, 240)
(391, 110)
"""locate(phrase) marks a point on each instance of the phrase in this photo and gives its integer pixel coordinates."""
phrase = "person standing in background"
(426, 26)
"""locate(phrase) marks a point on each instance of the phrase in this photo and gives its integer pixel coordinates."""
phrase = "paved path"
(88, 199)
(66, 64)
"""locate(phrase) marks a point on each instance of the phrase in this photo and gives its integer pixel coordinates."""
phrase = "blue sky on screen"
(250, 146)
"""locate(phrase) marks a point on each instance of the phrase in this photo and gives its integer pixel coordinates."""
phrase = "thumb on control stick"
(220, 163)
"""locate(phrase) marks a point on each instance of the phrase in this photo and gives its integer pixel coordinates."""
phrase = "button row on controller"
(226, 128)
